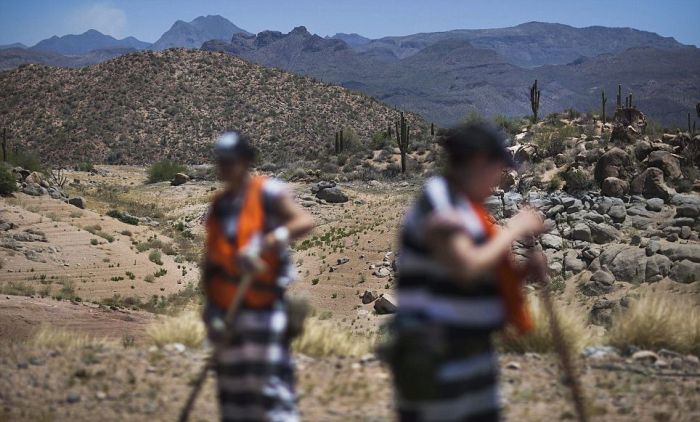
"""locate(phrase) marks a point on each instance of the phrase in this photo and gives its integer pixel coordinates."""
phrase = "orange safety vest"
(222, 254)
(510, 282)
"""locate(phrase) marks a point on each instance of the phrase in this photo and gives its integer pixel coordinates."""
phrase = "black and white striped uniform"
(255, 370)
(459, 321)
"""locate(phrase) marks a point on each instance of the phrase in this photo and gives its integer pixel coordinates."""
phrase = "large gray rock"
(603, 233)
(618, 213)
(612, 186)
(650, 183)
(581, 231)
(384, 305)
(78, 201)
(655, 204)
(685, 271)
(667, 162)
(688, 211)
(680, 251)
(179, 179)
(631, 264)
(551, 241)
(333, 195)
(613, 163)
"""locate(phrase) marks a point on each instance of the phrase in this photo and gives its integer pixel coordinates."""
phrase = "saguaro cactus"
(619, 96)
(432, 129)
(339, 144)
(604, 100)
(534, 100)
(4, 142)
(402, 133)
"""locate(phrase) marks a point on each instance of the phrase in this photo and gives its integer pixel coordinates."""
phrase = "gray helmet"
(233, 145)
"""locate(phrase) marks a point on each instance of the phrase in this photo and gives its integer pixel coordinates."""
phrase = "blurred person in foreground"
(249, 227)
(457, 285)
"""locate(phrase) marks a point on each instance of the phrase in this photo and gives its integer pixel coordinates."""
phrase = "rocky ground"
(623, 209)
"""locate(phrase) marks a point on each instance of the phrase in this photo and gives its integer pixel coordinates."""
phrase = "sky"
(29, 21)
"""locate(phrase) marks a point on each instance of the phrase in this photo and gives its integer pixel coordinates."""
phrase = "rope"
(565, 354)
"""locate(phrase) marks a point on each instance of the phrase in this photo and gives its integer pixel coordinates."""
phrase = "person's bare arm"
(466, 260)
(297, 221)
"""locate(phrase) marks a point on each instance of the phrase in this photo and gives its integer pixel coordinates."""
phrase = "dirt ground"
(336, 264)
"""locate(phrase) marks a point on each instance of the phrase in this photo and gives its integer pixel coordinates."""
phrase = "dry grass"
(57, 338)
(323, 338)
(540, 340)
(187, 328)
(656, 321)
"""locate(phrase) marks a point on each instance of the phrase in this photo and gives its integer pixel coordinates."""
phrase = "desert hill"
(150, 105)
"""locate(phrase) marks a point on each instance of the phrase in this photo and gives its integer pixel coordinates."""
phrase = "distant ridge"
(71, 45)
(193, 34)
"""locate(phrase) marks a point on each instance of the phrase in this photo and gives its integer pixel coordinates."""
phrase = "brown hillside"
(151, 105)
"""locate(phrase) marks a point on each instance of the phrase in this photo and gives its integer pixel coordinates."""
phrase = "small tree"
(164, 170)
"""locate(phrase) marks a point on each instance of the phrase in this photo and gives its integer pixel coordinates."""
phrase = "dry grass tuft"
(322, 338)
(656, 321)
(540, 340)
(57, 338)
(187, 328)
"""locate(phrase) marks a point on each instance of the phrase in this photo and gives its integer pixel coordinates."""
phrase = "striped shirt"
(425, 287)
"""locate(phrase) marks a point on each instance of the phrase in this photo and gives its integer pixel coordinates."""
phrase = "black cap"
(233, 145)
(464, 141)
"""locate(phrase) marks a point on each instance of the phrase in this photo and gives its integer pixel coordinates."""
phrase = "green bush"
(25, 159)
(123, 217)
(164, 170)
(7, 180)
(85, 166)
(155, 257)
(577, 180)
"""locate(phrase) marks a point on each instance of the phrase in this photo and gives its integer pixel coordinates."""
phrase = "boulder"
(333, 195)
(582, 232)
(612, 186)
(632, 264)
(368, 297)
(384, 305)
(688, 211)
(611, 164)
(77, 201)
(36, 178)
(618, 213)
(322, 185)
(680, 251)
(179, 179)
(33, 189)
(655, 204)
(667, 162)
(685, 271)
(650, 183)
(601, 282)
(602, 312)
(602, 233)
(551, 241)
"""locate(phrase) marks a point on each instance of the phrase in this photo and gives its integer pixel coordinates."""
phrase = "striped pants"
(456, 382)
(255, 369)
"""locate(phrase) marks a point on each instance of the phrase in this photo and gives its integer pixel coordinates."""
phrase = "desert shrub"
(655, 321)
(155, 257)
(164, 170)
(540, 340)
(474, 117)
(510, 126)
(51, 337)
(123, 217)
(85, 166)
(380, 140)
(186, 328)
(577, 180)
(323, 338)
(17, 288)
(25, 159)
(7, 180)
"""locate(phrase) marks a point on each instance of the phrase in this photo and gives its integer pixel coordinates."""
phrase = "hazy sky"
(29, 21)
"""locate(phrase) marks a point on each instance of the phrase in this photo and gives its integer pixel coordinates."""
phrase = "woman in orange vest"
(457, 285)
(249, 227)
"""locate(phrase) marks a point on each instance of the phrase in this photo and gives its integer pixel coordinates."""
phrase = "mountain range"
(442, 75)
